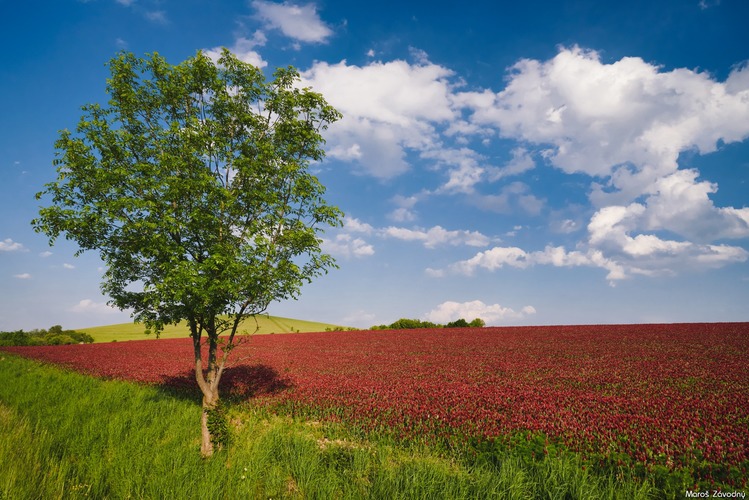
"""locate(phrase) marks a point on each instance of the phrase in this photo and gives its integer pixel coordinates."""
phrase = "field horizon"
(269, 324)
(262, 324)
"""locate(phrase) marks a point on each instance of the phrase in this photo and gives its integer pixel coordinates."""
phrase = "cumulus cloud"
(611, 230)
(244, 49)
(22, 276)
(490, 313)
(345, 245)
(624, 124)
(499, 257)
(388, 108)
(8, 245)
(396, 92)
(354, 225)
(300, 22)
(436, 236)
(464, 165)
(640, 255)
(627, 121)
(681, 204)
(405, 208)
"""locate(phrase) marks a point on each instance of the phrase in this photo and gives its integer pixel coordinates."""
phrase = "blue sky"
(523, 162)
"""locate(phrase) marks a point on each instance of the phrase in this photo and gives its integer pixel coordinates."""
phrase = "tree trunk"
(206, 445)
(207, 387)
(209, 382)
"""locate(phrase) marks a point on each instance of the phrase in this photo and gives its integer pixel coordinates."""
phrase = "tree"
(458, 323)
(477, 322)
(193, 185)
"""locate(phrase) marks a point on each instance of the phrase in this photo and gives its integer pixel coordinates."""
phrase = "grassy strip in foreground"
(261, 324)
(66, 435)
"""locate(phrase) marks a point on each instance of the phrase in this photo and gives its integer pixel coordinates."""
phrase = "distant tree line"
(408, 324)
(54, 336)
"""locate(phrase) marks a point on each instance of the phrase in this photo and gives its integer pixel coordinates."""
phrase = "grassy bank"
(67, 435)
(261, 324)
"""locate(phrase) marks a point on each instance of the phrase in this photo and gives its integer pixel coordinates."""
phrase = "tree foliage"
(54, 336)
(411, 324)
(193, 185)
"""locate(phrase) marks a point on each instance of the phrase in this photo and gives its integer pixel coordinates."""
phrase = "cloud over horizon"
(492, 314)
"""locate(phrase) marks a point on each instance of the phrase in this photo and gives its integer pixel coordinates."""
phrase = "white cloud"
(681, 204)
(490, 313)
(492, 259)
(405, 204)
(738, 80)
(300, 22)
(243, 48)
(521, 162)
(395, 92)
(646, 255)
(354, 225)
(345, 245)
(436, 236)
(45, 254)
(613, 230)
(599, 116)
(624, 123)
(345, 152)
(435, 273)
(8, 245)
(22, 276)
(465, 170)
(499, 257)
(419, 55)
(402, 214)
(88, 306)
(68, 266)
(388, 108)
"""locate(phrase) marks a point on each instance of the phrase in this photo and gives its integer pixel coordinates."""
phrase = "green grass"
(66, 435)
(261, 324)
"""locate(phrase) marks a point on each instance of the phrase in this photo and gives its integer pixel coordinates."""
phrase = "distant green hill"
(265, 325)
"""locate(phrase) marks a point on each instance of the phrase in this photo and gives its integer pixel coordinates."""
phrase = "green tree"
(477, 322)
(193, 185)
(458, 323)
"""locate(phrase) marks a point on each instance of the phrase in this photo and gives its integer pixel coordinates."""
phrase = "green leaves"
(193, 186)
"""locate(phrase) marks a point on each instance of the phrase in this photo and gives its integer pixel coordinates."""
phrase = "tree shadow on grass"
(238, 383)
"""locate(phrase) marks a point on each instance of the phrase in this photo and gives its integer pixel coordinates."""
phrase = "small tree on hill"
(193, 186)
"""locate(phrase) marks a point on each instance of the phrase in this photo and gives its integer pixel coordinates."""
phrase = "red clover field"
(670, 396)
